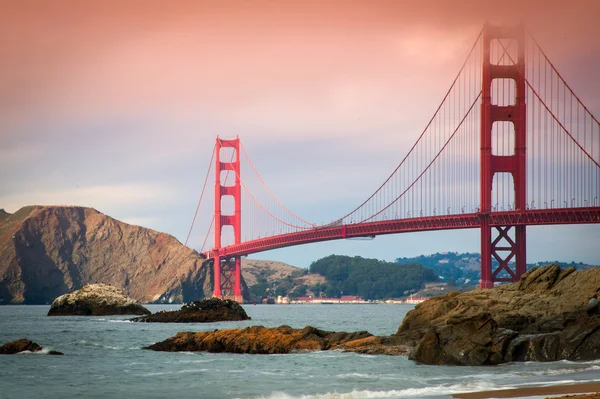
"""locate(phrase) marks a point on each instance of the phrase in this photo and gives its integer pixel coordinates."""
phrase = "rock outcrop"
(543, 317)
(205, 311)
(96, 300)
(23, 345)
(260, 340)
(48, 251)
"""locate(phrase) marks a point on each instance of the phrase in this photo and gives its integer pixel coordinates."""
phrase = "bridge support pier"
(227, 278)
(503, 243)
(227, 270)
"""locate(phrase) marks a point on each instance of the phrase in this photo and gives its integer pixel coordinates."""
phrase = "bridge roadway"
(532, 217)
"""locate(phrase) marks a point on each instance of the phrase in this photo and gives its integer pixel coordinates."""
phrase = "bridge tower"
(503, 243)
(227, 269)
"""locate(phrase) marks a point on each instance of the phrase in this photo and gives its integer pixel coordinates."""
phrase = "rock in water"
(22, 345)
(259, 340)
(205, 311)
(96, 300)
(543, 317)
(466, 340)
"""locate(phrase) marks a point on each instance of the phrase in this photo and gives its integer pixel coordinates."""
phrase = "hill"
(370, 278)
(47, 251)
(279, 278)
(465, 268)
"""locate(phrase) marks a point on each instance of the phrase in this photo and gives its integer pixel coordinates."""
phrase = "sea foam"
(400, 393)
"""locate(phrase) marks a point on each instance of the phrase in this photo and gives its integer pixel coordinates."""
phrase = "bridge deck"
(443, 222)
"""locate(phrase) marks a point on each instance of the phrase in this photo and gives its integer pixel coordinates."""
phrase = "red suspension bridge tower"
(503, 246)
(227, 269)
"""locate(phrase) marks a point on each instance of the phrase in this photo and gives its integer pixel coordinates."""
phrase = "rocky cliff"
(543, 317)
(48, 251)
(542, 292)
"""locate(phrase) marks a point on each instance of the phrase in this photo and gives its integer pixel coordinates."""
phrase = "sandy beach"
(575, 391)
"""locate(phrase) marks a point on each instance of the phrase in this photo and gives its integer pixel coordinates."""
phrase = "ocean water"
(103, 359)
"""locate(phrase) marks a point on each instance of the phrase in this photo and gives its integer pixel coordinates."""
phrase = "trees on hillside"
(370, 278)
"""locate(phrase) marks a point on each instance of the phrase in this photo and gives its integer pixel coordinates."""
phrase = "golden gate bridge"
(510, 146)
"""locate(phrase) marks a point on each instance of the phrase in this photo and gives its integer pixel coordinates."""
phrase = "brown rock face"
(541, 318)
(259, 340)
(48, 251)
(22, 345)
(542, 292)
(205, 311)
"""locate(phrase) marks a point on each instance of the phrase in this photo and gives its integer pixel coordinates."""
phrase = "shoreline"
(585, 390)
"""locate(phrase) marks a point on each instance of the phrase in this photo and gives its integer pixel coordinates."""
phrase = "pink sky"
(116, 104)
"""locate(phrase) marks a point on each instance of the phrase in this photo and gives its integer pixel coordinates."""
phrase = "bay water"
(104, 359)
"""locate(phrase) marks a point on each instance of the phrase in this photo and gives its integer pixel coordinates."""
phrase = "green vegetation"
(462, 268)
(369, 278)
(465, 268)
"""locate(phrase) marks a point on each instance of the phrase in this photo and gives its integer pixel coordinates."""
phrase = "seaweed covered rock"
(96, 300)
(259, 340)
(23, 345)
(204, 311)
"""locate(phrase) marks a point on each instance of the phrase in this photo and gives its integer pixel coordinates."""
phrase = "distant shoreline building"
(347, 299)
(344, 299)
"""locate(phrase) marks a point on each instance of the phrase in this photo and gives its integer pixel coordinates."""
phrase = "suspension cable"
(420, 137)
(430, 163)
(207, 234)
(560, 76)
(201, 195)
(549, 110)
(269, 190)
(261, 205)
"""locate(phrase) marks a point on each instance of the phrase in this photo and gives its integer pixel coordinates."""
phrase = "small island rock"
(23, 345)
(96, 300)
(259, 340)
(204, 311)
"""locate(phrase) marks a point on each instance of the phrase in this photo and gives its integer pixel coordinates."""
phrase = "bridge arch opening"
(227, 235)
(504, 51)
(503, 138)
(504, 92)
(503, 192)
(227, 205)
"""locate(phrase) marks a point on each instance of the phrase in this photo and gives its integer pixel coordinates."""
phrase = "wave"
(555, 382)
(577, 367)
(190, 361)
(569, 370)
(157, 373)
(43, 351)
(105, 346)
(359, 375)
(399, 393)
(264, 372)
